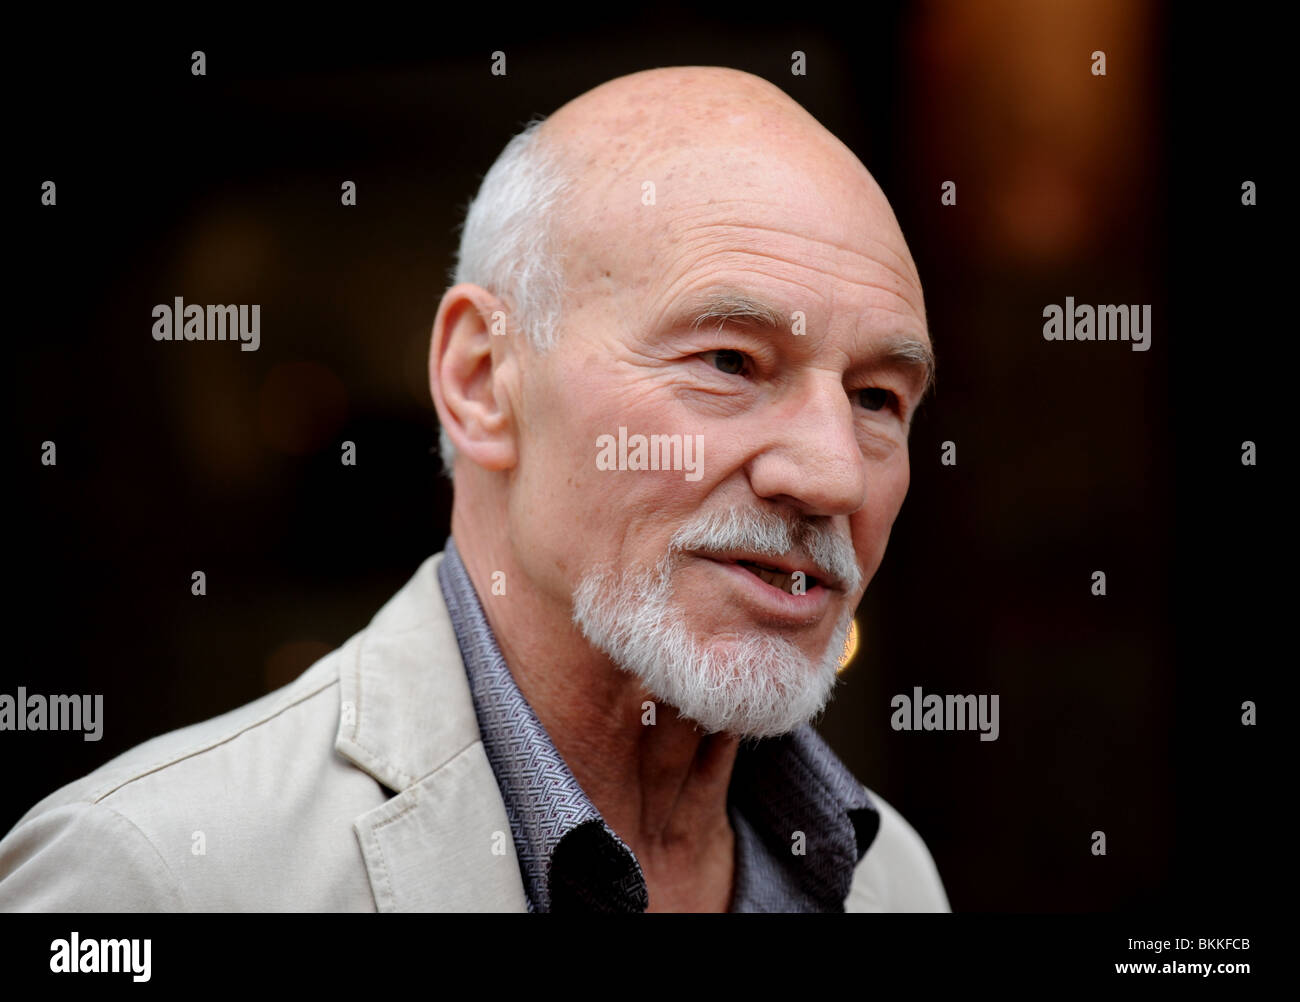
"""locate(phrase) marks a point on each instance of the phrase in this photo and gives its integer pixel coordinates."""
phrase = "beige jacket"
(362, 785)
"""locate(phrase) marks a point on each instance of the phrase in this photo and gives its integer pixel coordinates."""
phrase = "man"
(675, 377)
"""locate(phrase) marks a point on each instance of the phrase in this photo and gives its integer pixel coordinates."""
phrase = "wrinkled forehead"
(651, 210)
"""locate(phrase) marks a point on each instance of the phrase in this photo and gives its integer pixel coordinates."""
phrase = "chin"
(757, 683)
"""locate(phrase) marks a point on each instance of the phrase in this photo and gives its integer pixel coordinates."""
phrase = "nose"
(809, 456)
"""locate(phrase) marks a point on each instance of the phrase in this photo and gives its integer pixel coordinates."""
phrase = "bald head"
(600, 196)
(660, 116)
(675, 110)
(680, 138)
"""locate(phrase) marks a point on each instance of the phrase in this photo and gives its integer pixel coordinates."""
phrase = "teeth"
(776, 578)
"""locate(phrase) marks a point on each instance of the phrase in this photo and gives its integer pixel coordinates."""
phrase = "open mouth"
(777, 578)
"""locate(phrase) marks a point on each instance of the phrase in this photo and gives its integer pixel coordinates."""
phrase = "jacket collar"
(442, 843)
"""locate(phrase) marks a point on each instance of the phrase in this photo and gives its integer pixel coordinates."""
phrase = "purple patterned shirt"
(571, 859)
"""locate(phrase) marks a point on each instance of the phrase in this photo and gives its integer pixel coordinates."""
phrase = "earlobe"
(464, 376)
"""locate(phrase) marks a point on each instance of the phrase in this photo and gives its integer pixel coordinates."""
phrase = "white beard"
(755, 686)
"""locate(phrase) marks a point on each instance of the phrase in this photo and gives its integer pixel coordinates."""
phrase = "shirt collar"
(543, 800)
(792, 792)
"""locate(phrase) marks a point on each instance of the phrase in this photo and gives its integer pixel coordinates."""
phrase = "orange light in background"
(1009, 104)
(850, 646)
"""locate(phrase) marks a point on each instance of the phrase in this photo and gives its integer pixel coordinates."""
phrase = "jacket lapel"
(443, 843)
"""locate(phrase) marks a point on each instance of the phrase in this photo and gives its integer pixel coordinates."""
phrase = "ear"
(465, 377)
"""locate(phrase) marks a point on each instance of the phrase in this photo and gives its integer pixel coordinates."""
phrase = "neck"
(661, 786)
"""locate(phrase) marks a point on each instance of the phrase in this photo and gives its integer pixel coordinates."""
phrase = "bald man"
(675, 377)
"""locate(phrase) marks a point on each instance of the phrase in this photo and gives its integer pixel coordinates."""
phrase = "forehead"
(806, 231)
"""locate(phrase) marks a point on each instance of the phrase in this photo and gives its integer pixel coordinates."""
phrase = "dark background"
(1119, 714)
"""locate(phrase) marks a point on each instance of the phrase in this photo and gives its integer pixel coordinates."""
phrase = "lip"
(772, 604)
(780, 563)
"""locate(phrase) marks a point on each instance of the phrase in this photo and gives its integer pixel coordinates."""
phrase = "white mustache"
(769, 534)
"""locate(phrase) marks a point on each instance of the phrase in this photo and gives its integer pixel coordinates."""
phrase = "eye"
(726, 360)
(874, 398)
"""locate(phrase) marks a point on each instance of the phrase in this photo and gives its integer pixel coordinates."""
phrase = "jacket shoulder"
(220, 815)
(56, 861)
(155, 757)
(897, 874)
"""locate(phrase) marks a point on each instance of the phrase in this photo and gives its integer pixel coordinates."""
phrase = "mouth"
(781, 573)
(777, 577)
(767, 590)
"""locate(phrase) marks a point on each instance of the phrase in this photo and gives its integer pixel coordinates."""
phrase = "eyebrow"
(736, 307)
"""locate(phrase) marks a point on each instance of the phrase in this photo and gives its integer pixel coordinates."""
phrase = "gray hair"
(507, 242)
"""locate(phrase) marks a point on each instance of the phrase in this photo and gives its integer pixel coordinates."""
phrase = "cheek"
(562, 504)
(896, 479)
(558, 427)
(872, 525)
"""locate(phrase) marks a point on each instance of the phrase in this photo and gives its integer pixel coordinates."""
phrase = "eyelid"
(724, 338)
(894, 403)
(749, 363)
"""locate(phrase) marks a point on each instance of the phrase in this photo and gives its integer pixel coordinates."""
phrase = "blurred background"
(1119, 714)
